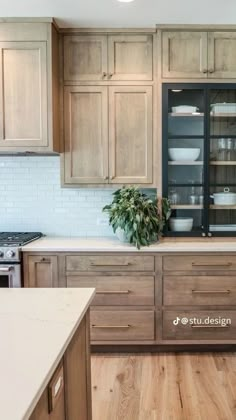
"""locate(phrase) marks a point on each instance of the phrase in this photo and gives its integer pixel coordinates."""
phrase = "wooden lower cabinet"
(140, 295)
(41, 271)
(122, 325)
(68, 394)
(199, 325)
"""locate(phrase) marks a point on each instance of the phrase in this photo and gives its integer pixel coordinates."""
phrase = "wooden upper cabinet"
(23, 102)
(86, 135)
(184, 54)
(130, 57)
(29, 87)
(221, 55)
(107, 57)
(85, 57)
(41, 271)
(130, 134)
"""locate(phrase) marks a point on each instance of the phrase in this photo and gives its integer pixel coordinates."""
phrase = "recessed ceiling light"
(125, 1)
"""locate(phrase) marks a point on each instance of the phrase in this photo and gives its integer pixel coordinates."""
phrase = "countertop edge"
(44, 384)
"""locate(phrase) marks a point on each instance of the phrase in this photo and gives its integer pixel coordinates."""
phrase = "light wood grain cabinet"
(41, 271)
(29, 88)
(130, 57)
(86, 135)
(184, 54)
(196, 54)
(108, 140)
(130, 134)
(68, 394)
(108, 57)
(221, 56)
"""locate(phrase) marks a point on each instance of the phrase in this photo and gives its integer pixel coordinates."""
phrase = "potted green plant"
(135, 217)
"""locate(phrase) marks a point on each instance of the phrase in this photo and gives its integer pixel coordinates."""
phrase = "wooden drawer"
(122, 325)
(195, 290)
(117, 290)
(199, 263)
(109, 263)
(205, 331)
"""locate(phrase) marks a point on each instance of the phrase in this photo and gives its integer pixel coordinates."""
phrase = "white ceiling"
(111, 13)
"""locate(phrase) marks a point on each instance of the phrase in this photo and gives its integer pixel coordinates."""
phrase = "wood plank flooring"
(193, 386)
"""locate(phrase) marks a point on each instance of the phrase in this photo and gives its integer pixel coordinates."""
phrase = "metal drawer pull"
(111, 265)
(210, 326)
(111, 326)
(211, 265)
(211, 291)
(5, 269)
(45, 259)
(111, 292)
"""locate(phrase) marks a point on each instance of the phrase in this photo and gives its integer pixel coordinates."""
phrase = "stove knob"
(10, 254)
(1, 254)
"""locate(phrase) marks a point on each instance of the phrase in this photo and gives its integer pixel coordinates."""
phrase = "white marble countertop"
(36, 326)
(54, 244)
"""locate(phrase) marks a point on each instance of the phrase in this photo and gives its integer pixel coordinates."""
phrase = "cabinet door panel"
(85, 57)
(130, 57)
(86, 135)
(23, 94)
(130, 143)
(221, 56)
(184, 55)
(42, 271)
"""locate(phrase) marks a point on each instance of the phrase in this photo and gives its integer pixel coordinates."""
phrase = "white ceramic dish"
(222, 228)
(184, 153)
(184, 109)
(225, 198)
(223, 108)
(181, 224)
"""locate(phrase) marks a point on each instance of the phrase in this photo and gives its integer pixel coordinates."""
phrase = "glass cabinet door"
(222, 172)
(183, 158)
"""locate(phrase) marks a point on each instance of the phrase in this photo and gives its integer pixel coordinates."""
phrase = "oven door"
(10, 275)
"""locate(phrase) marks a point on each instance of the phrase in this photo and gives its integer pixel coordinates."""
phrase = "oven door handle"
(5, 269)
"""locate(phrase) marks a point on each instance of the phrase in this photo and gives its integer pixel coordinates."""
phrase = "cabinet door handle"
(211, 291)
(110, 75)
(210, 326)
(104, 74)
(111, 326)
(106, 177)
(111, 265)
(113, 292)
(45, 259)
(211, 71)
(204, 71)
(211, 265)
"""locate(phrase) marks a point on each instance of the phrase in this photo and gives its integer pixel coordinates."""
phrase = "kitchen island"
(44, 354)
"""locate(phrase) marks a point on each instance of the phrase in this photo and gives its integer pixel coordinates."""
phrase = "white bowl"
(184, 108)
(184, 153)
(181, 224)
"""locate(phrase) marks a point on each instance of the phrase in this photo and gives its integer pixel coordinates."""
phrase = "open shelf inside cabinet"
(190, 184)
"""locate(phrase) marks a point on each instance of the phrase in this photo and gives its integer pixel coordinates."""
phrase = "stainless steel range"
(10, 256)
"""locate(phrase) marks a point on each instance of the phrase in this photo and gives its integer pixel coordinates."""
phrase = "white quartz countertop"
(50, 244)
(36, 326)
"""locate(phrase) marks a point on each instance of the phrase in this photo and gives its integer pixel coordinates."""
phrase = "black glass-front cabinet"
(199, 158)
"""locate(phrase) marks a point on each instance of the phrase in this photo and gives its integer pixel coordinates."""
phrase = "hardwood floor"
(197, 386)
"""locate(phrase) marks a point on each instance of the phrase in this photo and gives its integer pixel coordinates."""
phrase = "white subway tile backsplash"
(32, 199)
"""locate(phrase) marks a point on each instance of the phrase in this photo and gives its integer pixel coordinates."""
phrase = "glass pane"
(186, 112)
(4, 281)
(186, 196)
(186, 221)
(223, 112)
(222, 220)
